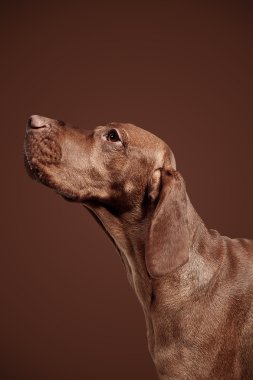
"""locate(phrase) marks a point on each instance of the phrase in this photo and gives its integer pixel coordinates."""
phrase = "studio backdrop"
(180, 69)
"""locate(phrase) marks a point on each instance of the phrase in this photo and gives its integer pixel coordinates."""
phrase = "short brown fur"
(195, 286)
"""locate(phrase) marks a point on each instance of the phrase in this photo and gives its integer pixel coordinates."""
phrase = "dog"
(195, 286)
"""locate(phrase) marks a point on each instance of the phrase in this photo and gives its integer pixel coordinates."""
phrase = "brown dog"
(195, 286)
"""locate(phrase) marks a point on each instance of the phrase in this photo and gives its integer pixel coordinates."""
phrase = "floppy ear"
(168, 237)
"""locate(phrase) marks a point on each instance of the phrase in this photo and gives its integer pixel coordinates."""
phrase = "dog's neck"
(129, 235)
(130, 241)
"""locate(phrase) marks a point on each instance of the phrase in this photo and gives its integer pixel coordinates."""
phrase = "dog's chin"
(69, 198)
(37, 171)
(28, 167)
(34, 170)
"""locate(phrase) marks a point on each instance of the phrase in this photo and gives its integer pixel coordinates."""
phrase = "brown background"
(182, 70)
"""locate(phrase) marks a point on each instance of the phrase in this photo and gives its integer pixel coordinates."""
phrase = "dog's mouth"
(43, 160)
(42, 151)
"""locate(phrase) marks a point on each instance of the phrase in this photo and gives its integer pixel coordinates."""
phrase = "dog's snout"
(37, 122)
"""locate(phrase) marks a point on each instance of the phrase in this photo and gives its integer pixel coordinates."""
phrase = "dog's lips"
(28, 166)
(41, 151)
(42, 159)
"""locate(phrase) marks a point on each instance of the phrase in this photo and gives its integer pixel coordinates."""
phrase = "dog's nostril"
(36, 121)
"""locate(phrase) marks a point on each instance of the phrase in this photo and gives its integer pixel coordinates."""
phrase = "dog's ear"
(167, 246)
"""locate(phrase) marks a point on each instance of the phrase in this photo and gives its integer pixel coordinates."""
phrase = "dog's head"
(119, 166)
(110, 163)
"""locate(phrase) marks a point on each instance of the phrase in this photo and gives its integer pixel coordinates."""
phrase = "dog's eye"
(113, 136)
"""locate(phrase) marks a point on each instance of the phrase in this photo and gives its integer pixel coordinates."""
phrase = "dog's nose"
(36, 122)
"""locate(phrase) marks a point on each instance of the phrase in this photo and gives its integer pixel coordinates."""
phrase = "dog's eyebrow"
(108, 127)
(99, 128)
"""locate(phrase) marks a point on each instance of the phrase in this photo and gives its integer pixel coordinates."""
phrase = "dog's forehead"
(138, 135)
